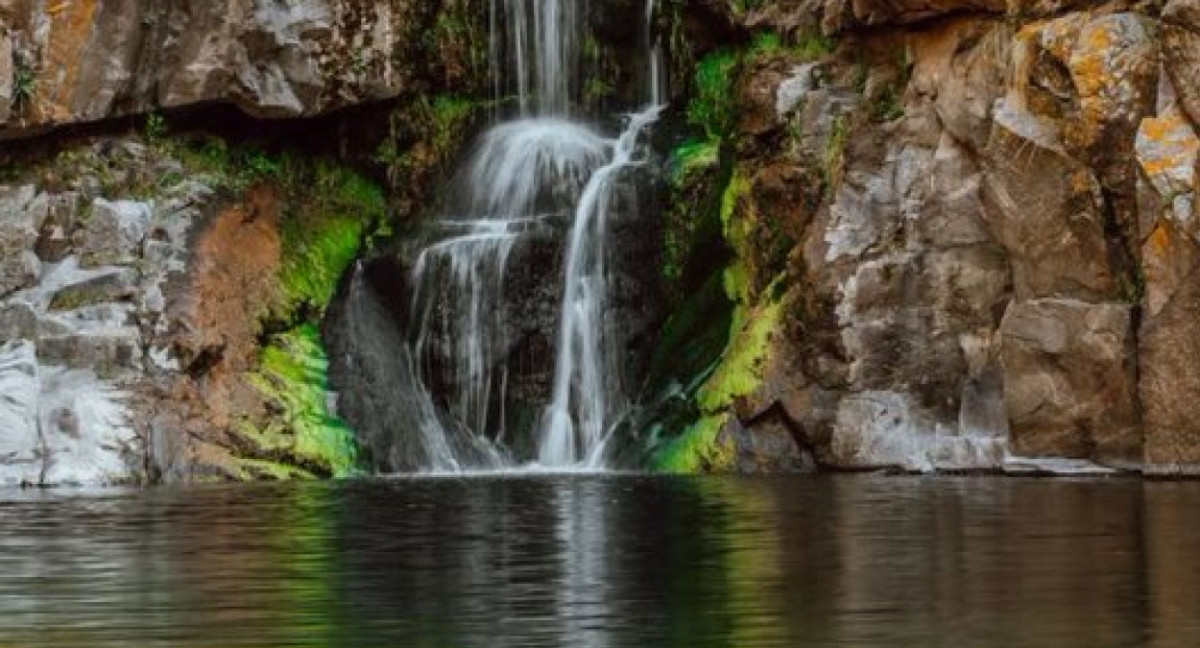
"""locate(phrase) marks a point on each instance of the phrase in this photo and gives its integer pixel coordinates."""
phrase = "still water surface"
(607, 561)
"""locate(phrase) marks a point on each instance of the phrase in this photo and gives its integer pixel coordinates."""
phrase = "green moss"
(691, 157)
(712, 106)
(425, 136)
(699, 449)
(339, 214)
(293, 377)
(740, 371)
(738, 228)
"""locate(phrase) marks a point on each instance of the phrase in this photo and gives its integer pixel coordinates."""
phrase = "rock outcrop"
(153, 314)
(90, 60)
(994, 268)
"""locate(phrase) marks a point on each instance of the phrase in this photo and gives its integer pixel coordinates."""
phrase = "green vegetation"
(810, 45)
(24, 87)
(341, 213)
(834, 163)
(156, 128)
(712, 107)
(425, 136)
(699, 449)
(302, 432)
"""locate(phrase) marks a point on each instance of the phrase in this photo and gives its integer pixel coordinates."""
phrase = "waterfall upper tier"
(530, 166)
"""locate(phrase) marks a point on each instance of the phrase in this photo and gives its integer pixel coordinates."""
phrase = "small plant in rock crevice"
(24, 87)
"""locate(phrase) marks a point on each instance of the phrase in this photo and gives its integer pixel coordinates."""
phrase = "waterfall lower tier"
(531, 184)
(520, 314)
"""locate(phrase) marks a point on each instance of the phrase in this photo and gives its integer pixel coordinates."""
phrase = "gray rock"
(767, 446)
(7, 73)
(18, 321)
(21, 214)
(113, 233)
(54, 240)
(104, 351)
(120, 285)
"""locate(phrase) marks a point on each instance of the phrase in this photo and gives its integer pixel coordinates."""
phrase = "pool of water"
(592, 561)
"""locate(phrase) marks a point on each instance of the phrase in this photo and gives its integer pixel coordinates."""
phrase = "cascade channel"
(542, 170)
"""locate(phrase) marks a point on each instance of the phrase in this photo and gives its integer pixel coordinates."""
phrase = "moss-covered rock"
(302, 432)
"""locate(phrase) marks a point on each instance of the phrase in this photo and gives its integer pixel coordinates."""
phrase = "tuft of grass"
(712, 107)
(833, 166)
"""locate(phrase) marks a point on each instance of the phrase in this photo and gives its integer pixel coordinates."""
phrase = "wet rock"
(20, 444)
(120, 285)
(113, 233)
(886, 429)
(18, 320)
(768, 446)
(1068, 379)
(86, 430)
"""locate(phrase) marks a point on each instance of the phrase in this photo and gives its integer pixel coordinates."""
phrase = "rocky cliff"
(912, 234)
(960, 235)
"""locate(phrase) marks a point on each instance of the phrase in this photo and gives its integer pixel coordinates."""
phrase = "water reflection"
(607, 562)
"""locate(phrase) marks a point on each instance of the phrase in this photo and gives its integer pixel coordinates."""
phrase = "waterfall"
(523, 177)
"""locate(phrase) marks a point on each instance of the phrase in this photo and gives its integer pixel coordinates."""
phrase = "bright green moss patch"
(740, 371)
(699, 449)
(302, 432)
(692, 157)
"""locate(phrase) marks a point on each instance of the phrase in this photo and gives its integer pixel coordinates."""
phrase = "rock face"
(997, 265)
(90, 60)
(136, 292)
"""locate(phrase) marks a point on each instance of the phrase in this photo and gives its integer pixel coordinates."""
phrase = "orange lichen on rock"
(70, 30)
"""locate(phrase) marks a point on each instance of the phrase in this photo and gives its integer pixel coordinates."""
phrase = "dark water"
(607, 561)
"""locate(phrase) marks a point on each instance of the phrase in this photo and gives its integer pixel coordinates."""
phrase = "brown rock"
(1181, 52)
(1169, 352)
(1068, 379)
(95, 60)
(1045, 208)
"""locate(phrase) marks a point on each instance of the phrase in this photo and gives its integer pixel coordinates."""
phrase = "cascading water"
(524, 176)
